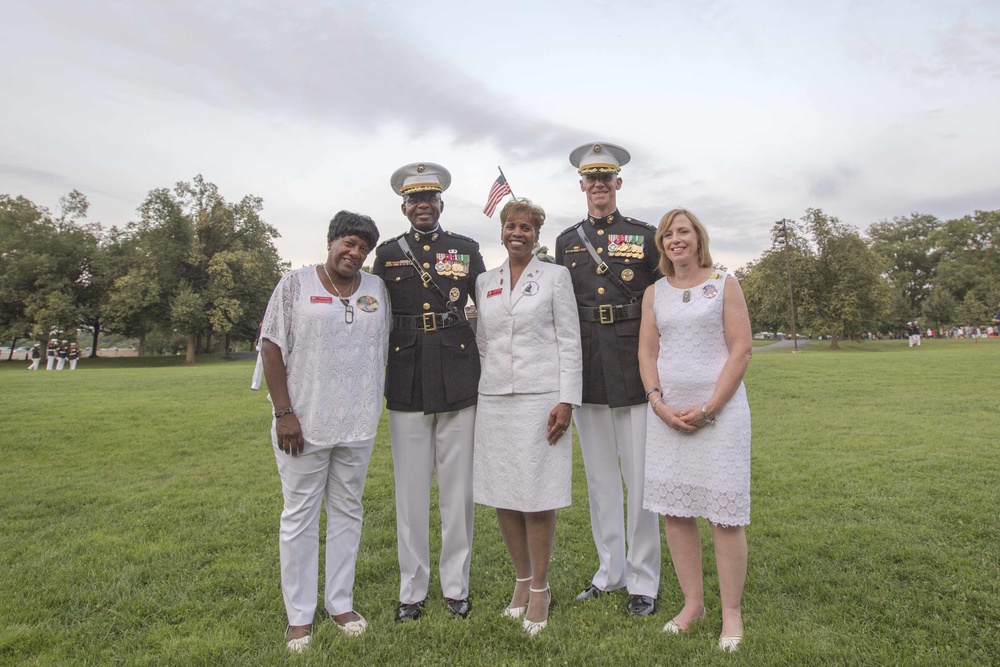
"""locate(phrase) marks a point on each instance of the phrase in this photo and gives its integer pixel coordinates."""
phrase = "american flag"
(499, 190)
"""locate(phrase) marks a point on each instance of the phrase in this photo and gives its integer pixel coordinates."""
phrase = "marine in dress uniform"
(50, 353)
(62, 354)
(431, 388)
(609, 279)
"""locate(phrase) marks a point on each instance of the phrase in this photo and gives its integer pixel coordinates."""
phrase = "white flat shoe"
(730, 643)
(671, 628)
(353, 628)
(297, 645)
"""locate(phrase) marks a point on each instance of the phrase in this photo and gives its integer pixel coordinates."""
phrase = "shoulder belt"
(603, 269)
(425, 277)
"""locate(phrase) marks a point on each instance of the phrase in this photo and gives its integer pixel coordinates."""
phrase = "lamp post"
(791, 299)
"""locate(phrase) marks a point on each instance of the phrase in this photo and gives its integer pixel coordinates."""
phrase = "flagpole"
(508, 182)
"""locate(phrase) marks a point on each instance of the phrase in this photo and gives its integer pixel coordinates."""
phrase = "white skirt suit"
(529, 343)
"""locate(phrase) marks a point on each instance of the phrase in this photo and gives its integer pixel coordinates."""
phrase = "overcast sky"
(744, 112)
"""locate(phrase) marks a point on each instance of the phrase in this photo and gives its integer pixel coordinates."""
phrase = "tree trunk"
(189, 357)
(93, 345)
(142, 344)
(224, 343)
(833, 342)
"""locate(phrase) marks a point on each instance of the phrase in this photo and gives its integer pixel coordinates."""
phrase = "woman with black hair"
(324, 342)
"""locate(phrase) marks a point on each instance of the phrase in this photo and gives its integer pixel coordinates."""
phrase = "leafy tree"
(908, 246)
(847, 291)
(940, 308)
(970, 262)
(765, 282)
(47, 266)
(838, 281)
(208, 266)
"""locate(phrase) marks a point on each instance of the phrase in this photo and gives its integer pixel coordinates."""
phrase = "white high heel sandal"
(516, 612)
(534, 627)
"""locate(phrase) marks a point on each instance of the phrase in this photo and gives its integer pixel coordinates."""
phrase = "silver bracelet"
(704, 415)
(650, 391)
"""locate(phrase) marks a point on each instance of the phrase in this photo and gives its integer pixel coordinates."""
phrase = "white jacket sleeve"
(567, 326)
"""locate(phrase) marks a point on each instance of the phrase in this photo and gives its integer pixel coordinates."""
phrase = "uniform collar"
(606, 220)
(432, 234)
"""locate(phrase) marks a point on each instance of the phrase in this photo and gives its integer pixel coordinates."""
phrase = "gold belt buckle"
(606, 314)
(430, 323)
(602, 269)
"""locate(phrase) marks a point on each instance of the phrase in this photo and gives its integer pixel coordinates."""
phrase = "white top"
(529, 337)
(335, 369)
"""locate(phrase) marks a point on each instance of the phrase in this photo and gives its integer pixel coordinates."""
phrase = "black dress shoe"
(641, 605)
(591, 591)
(458, 608)
(409, 611)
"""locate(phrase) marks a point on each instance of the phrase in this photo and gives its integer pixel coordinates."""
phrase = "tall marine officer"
(431, 387)
(612, 259)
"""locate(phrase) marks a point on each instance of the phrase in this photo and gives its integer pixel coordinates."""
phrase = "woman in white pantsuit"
(528, 334)
(324, 343)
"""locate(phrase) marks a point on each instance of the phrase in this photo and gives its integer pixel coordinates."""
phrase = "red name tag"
(321, 299)
(494, 292)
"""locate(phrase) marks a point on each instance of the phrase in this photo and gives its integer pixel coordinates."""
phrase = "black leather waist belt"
(609, 314)
(427, 322)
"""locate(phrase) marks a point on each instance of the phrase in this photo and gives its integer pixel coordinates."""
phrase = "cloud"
(332, 64)
(830, 183)
(39, 176)
(963, 48)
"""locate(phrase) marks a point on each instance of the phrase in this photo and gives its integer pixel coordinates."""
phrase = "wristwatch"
(281, 413)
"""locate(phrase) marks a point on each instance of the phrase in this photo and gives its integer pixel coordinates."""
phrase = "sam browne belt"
(427, 322)
(609, 313)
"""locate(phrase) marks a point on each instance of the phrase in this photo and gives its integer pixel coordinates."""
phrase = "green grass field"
(140, 505)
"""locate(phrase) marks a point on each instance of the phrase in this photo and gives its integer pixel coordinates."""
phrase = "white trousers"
(336, 474)
(915, 340)
(72, 364)
(49, 362)
(613, 443)
(422, 444)
(34, 365)
(60, 362)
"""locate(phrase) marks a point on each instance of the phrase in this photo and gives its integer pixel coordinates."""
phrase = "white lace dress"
(705, 473)
(335, 369)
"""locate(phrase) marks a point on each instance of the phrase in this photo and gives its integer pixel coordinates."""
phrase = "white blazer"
(529, 337)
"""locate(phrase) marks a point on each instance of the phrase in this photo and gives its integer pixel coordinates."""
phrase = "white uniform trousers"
(60, 362)
(613, 443)
(72, 364)
(422, 444)
(34, 365)
(49, 363)
(338, 475)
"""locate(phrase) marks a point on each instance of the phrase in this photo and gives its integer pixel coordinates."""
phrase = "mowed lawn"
(139, 504)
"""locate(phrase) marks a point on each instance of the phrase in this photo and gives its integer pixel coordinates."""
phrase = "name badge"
(321, 299)
(494, 292)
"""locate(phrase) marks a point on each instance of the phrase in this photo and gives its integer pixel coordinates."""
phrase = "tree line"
(197, 269)
(193, 267)
(943, 273)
